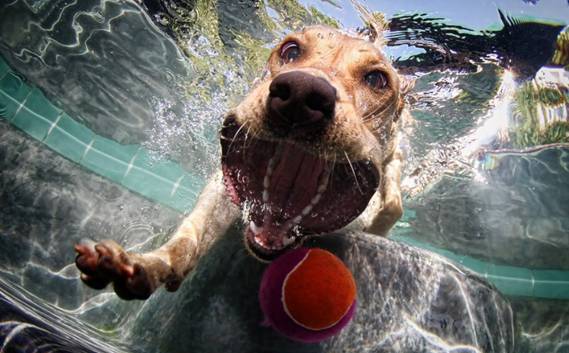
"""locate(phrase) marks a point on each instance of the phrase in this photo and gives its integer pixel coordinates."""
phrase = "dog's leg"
(391, 208)
(137, 276)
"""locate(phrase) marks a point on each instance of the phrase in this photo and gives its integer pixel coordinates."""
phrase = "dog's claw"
(107, 262)
(94, 282)
(173, 283)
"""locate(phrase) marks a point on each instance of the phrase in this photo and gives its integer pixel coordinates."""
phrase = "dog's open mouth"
(286, 192)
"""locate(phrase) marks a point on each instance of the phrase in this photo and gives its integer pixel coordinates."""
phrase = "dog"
(313, 148)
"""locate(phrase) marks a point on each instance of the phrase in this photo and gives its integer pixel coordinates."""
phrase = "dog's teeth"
(297, 219)
(259, 240)
(307, 210)
(287, 241)
(267, 179)
(254, 228)
(266, 182)
(270, 166)
(323, 181)
(314, 200)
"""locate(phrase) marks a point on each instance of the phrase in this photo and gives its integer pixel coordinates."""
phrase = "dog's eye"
(376, 79)
(290, 51)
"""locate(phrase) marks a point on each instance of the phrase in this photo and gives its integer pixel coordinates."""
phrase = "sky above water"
(476, 14)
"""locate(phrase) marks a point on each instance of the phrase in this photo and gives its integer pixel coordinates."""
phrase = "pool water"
(109, 113)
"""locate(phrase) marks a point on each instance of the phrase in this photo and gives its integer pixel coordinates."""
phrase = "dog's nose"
(301, 102)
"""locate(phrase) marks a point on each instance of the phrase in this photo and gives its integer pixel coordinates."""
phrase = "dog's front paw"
(133, 276)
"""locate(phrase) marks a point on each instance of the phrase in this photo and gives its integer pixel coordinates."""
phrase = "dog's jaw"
(267, 234)
(286, 192)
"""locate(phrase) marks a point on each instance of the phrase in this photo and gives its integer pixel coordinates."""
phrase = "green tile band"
(167, 183)
(129, 165)
(510, 280)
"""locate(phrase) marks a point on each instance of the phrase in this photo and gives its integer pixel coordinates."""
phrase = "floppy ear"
(375, 22)
(406, 84)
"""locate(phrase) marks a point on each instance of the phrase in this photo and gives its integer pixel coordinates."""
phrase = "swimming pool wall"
(131, 166)
(166, 182)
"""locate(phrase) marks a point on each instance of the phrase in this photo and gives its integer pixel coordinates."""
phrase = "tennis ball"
(308, 294)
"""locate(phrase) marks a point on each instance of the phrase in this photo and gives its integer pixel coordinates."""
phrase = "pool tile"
(186, 195)
(34, 124)
(40, 105)
(15, 86)
(516, 281)
(551, 284)
(69, 138)
(152, 178)
(475, 265)
(165, 168)
(13, 92)
(108, 158)
(148, 184)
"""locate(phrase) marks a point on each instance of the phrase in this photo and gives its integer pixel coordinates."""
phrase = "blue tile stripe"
(103, 156)
(167, 183)
(510, 280)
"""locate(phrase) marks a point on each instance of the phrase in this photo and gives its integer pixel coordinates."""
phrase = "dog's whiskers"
(353, 172)
(236, 135)
(247, 137)
(331, 180)
(371, 115)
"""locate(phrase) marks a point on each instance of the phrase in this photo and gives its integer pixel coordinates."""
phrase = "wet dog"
(312, 149)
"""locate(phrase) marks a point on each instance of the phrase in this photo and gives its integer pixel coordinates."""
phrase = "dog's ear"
(375, 24)
(406, 84)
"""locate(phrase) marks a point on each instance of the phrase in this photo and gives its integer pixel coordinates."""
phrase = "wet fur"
(365, 126)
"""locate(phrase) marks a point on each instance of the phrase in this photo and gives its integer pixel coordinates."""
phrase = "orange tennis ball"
(308, 294)
(319, 291)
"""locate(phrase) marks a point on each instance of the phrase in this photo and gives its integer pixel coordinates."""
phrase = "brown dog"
(312, 149)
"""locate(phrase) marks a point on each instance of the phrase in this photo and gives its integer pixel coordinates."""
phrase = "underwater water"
(109, 115)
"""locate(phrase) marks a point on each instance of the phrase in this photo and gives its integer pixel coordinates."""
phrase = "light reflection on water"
(110, 65)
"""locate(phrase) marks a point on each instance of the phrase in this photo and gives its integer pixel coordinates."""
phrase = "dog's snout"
(300, 101)
(280, 89)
